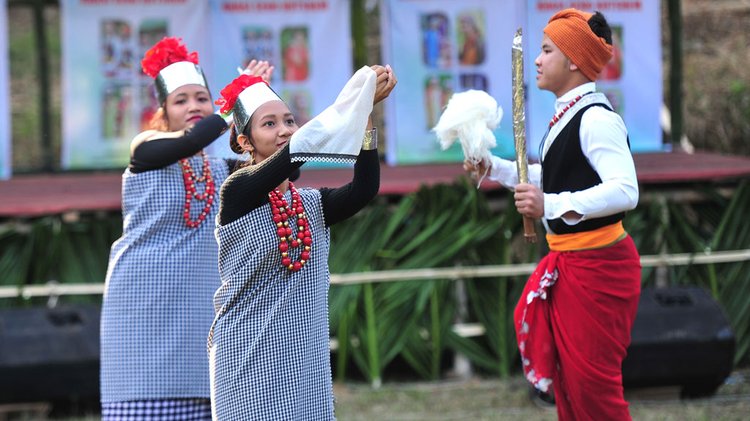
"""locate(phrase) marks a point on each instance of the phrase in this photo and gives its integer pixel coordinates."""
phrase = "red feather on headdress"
(165, 52)
(232, 91)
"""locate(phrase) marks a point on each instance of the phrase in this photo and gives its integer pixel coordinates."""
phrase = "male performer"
(574, 317)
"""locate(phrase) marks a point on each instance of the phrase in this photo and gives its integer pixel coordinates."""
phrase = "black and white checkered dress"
(161, 410)
(268, 345)
(157, 306)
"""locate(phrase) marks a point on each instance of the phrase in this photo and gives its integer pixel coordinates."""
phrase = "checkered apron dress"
(268, 345)
(160, 282)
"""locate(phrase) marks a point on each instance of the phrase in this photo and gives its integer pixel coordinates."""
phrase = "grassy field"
(509, 400)
(484, 399)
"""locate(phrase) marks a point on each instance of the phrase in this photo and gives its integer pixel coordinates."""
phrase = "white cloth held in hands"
(335, 135)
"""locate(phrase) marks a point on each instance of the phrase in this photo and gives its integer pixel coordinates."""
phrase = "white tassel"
(470, 117)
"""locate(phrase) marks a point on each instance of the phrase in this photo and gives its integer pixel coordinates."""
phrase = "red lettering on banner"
(305, 5)
(619, 5)
(235, 7)
(266, 6)
(549, 5)
(232, 6)
(582, 5)
(624, 5)
(275, 6)
(131, 2)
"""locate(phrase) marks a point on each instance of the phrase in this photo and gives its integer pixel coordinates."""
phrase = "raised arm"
(153, 150)
(343, 202)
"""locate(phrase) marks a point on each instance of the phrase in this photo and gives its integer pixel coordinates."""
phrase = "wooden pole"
(675, 73)
(45, 115)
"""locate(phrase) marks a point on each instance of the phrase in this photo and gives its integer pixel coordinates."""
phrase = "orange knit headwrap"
(569, 30)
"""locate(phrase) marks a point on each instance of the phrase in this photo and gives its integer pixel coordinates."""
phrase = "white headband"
(176, 75)
(249, 100)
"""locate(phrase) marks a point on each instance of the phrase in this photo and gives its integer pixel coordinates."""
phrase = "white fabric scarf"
(335, 135)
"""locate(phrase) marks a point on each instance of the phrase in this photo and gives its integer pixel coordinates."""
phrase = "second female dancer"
(269, 344)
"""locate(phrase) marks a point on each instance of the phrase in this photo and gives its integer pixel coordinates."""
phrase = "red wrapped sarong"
(573, 326)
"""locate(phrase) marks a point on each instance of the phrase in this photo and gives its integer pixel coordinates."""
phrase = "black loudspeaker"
(49, 355)
(681, 337)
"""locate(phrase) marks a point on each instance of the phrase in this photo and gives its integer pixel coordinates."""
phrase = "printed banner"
(307, 41)
(107, 99)
(6, 157)
(438, 47)
(632, 80)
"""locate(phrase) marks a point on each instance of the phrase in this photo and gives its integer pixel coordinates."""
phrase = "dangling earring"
(252, 157)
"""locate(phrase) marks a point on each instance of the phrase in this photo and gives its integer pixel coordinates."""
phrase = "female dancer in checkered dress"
(162, 271)
(268, 345)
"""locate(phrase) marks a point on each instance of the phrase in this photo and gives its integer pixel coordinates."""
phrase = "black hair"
(600, 27)
(234, 144)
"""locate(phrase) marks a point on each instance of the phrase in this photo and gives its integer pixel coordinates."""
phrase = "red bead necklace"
(559, 115)
(281, 214)
(190, 179)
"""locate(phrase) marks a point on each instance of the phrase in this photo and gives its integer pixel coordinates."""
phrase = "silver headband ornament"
(248, 101)
(176, 75)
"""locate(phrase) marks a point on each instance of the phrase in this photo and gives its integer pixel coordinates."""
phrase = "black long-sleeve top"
(247, 189)
(159, 153)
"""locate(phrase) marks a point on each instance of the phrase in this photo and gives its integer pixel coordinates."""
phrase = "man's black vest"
(565, 168)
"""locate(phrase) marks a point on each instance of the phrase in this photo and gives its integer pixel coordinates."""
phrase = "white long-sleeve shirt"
(604, 144)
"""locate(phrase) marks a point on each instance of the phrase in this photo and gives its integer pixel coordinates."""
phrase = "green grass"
(493, 399)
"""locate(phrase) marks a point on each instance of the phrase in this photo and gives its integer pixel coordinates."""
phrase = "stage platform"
(29, 196)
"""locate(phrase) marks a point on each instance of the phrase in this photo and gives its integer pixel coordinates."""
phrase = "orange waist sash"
(598, 238)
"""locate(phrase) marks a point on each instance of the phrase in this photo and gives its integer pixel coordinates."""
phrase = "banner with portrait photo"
(307, 42)
(107, 99)
(439, 47)
(6, 157)
(632, 80)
